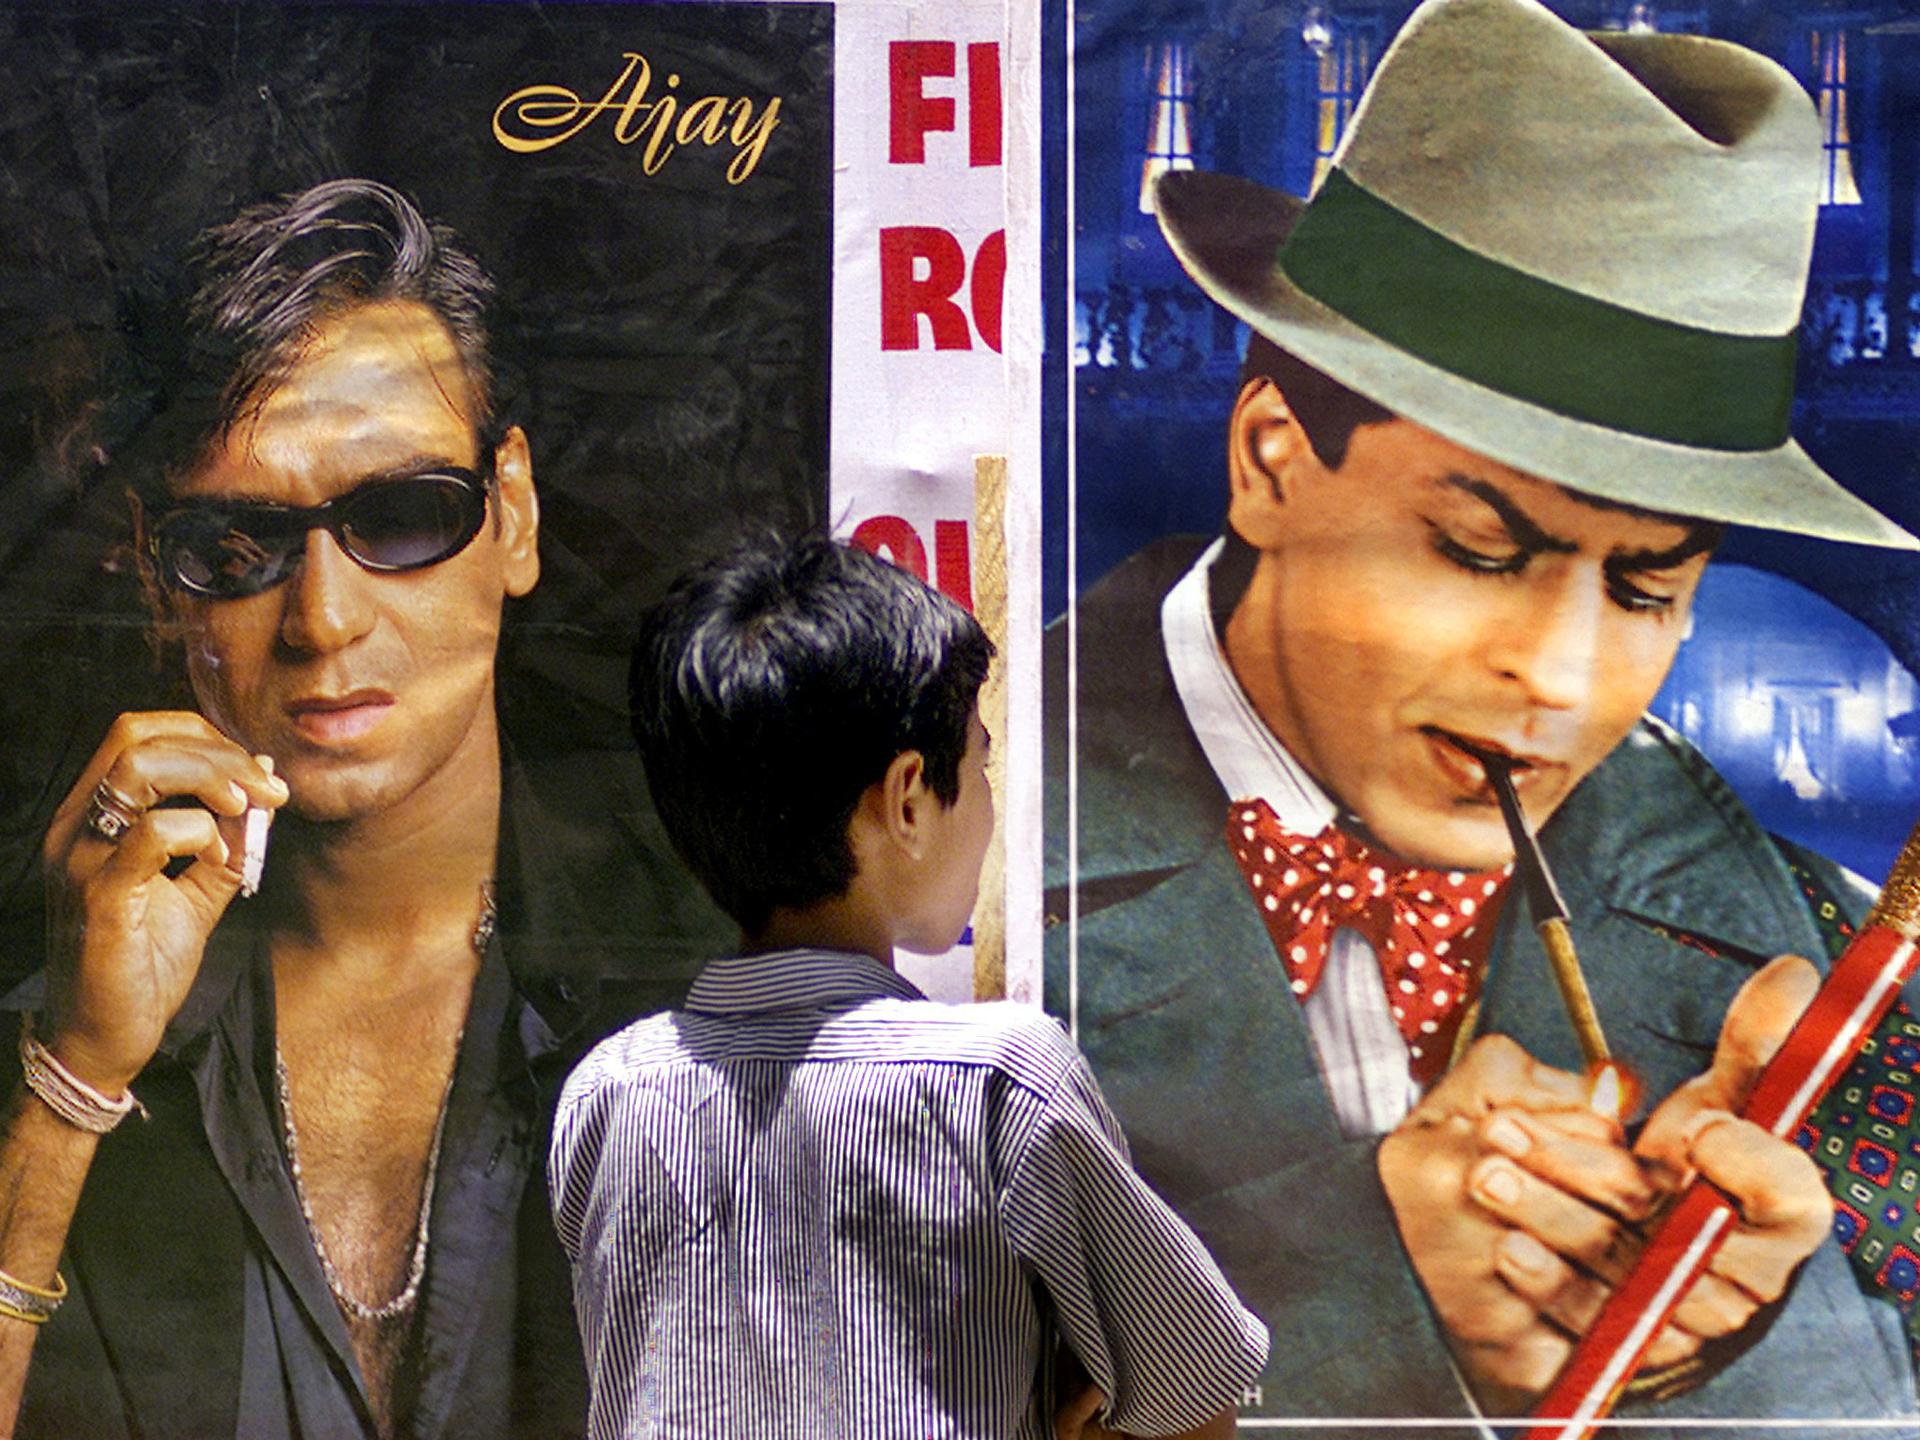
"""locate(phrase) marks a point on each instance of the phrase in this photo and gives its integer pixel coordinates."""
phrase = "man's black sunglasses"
(228, 549)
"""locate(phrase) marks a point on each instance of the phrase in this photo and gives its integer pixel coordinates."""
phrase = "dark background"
(663, 338)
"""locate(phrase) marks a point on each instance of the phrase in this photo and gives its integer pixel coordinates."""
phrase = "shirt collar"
(1245, 756)
(795, 980)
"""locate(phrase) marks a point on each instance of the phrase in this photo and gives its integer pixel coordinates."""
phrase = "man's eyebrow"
(1700, 538)
(1526, 533)
(424, 463)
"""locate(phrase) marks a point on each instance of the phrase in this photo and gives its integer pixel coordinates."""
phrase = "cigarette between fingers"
(253, 843)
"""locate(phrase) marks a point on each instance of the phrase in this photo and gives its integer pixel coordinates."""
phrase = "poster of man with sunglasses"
(370, 404)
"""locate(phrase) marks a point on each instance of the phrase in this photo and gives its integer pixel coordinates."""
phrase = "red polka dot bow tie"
(1429, 928)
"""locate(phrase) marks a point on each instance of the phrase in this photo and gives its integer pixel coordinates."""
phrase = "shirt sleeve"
(573, 1160)
(1134, 1292)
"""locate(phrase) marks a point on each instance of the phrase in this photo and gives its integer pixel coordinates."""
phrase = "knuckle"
(1673, 1345)
(1420, 1163)
(134, 727)
(1718, 1318)
(1543, 1287)
(1496, 1051)
(1531, 1363)
(1486, 1318)
(128, 726)
(1787, 1197)
(1808, 1223)
(1394, 1158)
(1808, 1205)
(188, 825)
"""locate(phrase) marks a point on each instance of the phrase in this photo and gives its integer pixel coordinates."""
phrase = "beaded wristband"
(66, 1094)
(21, 1301)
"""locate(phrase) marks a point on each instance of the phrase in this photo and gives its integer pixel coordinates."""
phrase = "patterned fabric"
(1429, 928)
(1865, 1137)
(814, 1203)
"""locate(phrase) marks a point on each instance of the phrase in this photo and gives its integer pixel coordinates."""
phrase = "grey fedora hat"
(1583, 256)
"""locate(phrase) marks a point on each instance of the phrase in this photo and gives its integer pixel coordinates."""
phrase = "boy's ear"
(1265, 448)
(905, 799)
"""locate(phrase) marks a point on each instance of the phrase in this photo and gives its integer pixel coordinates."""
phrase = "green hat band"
(1533, 340)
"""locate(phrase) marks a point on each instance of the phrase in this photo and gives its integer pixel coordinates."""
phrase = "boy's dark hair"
(771, 687)
(252, 290)
(1328, 411)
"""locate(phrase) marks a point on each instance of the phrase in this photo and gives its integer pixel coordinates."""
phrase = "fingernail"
(239, 795)
(1499, 1183)
(1559, 1081)
(265, 762)
(1524, 1252)
(1504, 1135)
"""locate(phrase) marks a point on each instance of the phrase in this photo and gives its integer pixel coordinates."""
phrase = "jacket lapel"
(1169, 945)
(1675, 897)
(1199, 1044)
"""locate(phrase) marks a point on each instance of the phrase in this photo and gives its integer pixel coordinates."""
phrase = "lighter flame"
(1608, 1093)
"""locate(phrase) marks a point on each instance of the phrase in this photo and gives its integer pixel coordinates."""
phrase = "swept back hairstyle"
(1328, 411)
(253, 289)
(771, 687)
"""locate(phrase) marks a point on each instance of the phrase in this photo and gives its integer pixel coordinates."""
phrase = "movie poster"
(1171, 673)
(708, 272)
(650, 188)
(685, 272)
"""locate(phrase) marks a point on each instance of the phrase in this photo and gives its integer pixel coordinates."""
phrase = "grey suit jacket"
(1201, 1049)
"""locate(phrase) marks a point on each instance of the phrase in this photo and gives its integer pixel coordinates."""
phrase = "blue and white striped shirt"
(814, 1203)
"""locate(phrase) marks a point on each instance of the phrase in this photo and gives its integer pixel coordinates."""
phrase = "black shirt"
(198, 1304)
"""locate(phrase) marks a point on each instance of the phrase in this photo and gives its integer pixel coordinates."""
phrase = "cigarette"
(1549, 910)
(1558, 941)
(253, 844)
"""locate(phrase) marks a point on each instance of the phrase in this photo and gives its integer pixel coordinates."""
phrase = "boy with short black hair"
(813, 1202)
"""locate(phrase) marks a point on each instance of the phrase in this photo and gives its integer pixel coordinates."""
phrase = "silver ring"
(111, 812)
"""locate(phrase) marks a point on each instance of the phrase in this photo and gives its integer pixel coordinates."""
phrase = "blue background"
(1797, 675)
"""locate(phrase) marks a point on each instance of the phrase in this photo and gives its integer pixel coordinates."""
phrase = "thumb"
(1767, 1008)
(1757, 1022)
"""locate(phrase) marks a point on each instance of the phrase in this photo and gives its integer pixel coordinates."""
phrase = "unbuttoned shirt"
(199, 1306)
(269, 1346)
(814, 1203)
(1362, 1055)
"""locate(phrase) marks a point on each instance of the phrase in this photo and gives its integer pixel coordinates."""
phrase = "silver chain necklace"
(409, 1293)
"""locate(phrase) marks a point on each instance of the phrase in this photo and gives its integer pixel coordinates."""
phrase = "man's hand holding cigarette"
(1521, 1206)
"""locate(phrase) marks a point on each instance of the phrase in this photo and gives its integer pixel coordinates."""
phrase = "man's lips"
(1464, 760)
(336, 719)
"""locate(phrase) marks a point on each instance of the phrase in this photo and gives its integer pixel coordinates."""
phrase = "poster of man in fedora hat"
(1513, 374)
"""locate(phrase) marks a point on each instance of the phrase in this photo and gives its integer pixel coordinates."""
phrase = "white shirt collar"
(1246, 757)
(794, 980)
